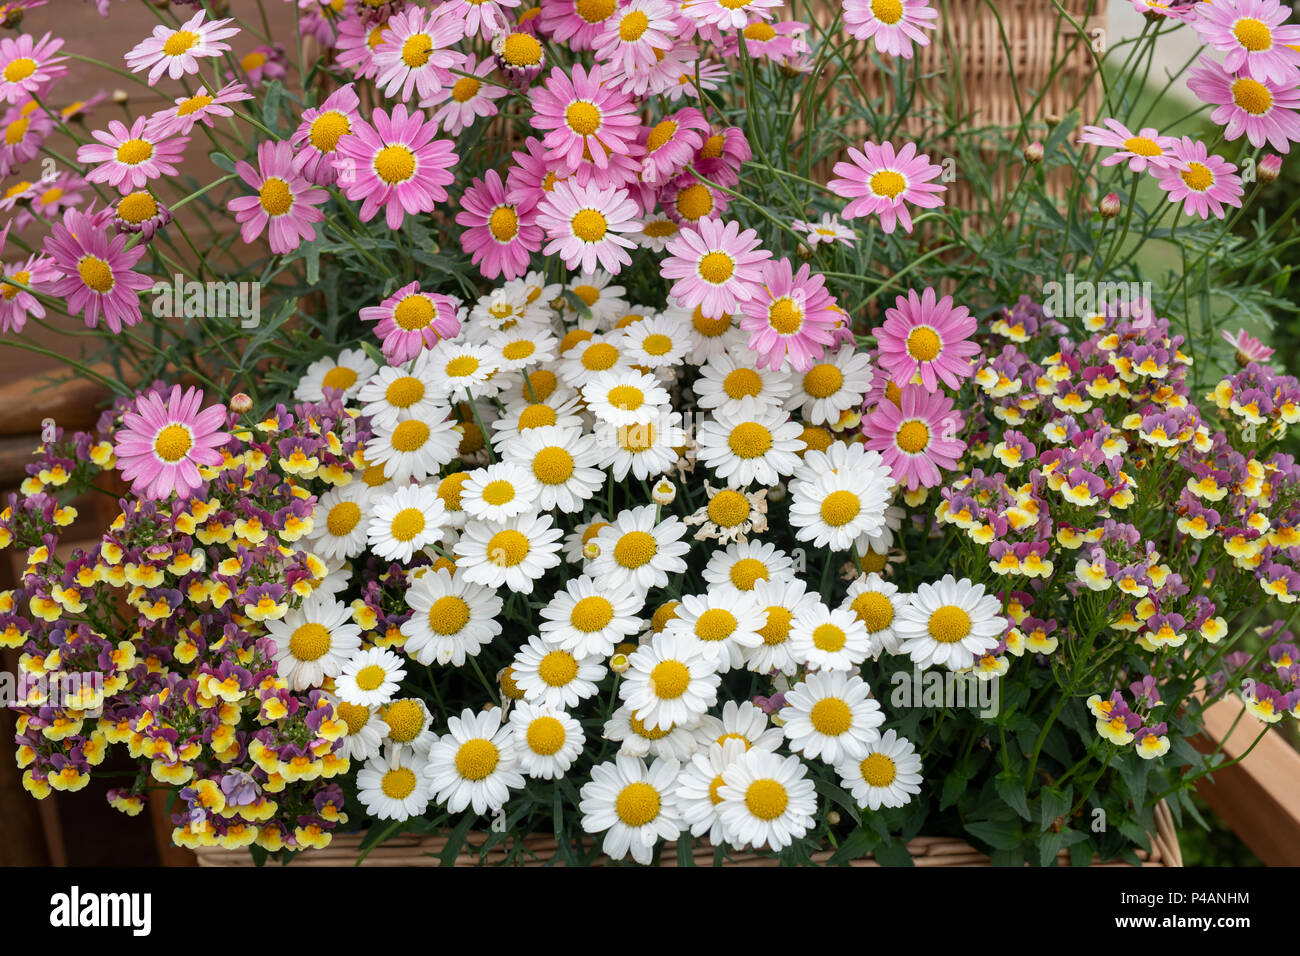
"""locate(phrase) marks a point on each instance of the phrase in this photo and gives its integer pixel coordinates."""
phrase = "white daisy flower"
(580, 362)
(394, 395)
(711, 335)
(313, 641)
(698, 785)
(449, 490)
(453, 619)
(832, 386)
(753, 442)
(390, 790)
(547, 740)
(366, 731)
(409, 723)
(725, 622)
(636, 552)
(656, 231)
(635, 739)
(370, 677)
(514, 553)
(624, 396)
(346, 373)
(462, 370)
(660, 341)
(741, 721)
(632, 805)
(828, 229)
(563, 462)
(743, 564)
(877, 602)
(604, 301)
(522, 345)
(538, 295)
(841, 509)
(952, 622)
(406, 521)
(474, 764)
(726, 381)
(887, 775)
(590, 620)
(498, 492)
(767, 801)
(495, 311)
(415, 448)
(671, 680)
(645, 449)
(781, 600)
(577, 539)
(339, 522)
(832, 716)
(559, 410)
(554, 677)
(730, 514)
(823, 639)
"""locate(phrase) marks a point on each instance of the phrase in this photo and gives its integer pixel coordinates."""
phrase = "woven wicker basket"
(345, 850)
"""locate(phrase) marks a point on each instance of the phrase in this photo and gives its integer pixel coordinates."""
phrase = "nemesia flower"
(95, 276)
(894, 25)
(286, 205)
(879, 181)
(1143, 149)
(1261, 111)
(395, 164)
(128, 158)
(316, 140)
(417, 52)
(176, 51)
(1254, 36)
(162, 442)
(716, 266)
(29, 66)
(585, 226)
(1204, 184)
(790, 318)
(917, 437)
(926, 336)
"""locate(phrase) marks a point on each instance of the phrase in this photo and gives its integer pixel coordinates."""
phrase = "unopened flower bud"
(120, 97)
(619, 663)
(1269, 168)
(591, 551)
(803, 252)
(832, 817)
(241, 404)
(663, 492)
(1110, 206)
(1033, 153)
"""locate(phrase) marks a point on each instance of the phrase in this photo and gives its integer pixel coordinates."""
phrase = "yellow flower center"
(632, 26)
(746, 572)
(589, 225)
(404, 392)
(669, 679)
(407, 523)
(1252, 96)
(750, 440)
(461, 366)
(465, 89)
(728, 508)
(394, 164)
(96, 274)
(20, 69)
(823, 381)
(660, 228)
(759, 31)
(717, 267)
(694, 202)
(923, 344)
(498, 492)
(660, 135)
(9, 290)
(829, 638)
(878, 770)
(182, 41)
(476, 759)
(133, 152)
(173, 443)
(507, 548)
(873, 562)
(520, 49)
(356, 716)
(888, 183)
(537, 416)
(715, 624)
(840, 507)
(627, 397)
(553, 466)
(371, 677)
(137, 207)
(766, 798)
(503, 223)
(913, 437)
(785, 316)
(591, 614)
(637, 803)
(777, 629)
(340, 377)
(398, 783)
(649, 733)
(742, 382)
(193, 104)
(545, 736)
(275, 196)
(635, 548)
(557, 669)
(594, 11)
(15, 132)
(405, 720)
(410, 435)
(309, 642)
(873, 610)
(831, 716)
(949, 624)
(343, 517)
(1142, 146)
(887, 11)
(599, 357)
(710, 326)
(448, 615)
(327, 129)
(413, 313)
(518, 350)
(416, 50)
(1253, 34)
(583, 117)
(1198, 177)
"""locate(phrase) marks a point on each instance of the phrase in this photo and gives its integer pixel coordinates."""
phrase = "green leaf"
(1048, 847)
(456, 840)
(222, 161)
(1012, 790)
(1000, 836)
(954, 785)
(1055, 804)
(894, 853)
(684, 847)
(839, 797)
(271, 105)
(858, 844)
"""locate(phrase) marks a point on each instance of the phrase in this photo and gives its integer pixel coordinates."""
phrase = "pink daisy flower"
(575, 23)
(894, 25)
(1261, 111)
(722, 154)
(729, 14)
(531, 178)
(176, 51)
(484, 18)
(925, 335)
(264, 63)
(671, 144)
(1249, 349)
(635, 34)
(1254, 37)
(791, 318)
(1143, 149)
(497, 238)
(161, 445)
(95, 274)
(25, 129)
(29, 66)
(916, 437)
(585, 119)
(358, 40)
(202, 107)
(467, 99)
(772, 41)
(410, 321)
(691, 202)
(128, 158)
(1203, 183)
(67, 190)
(286, 204)
(672, 66)
(418, 54)
(711, 75)
(827, 230)
(880, 182)
(316, 140)
(586, 226)
(716, 265)
(396, 164)
(16, 304)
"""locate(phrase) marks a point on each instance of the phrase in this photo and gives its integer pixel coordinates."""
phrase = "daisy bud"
(803, 252)
(520, 57)
(1033, 153)
(1110, 206)
(832, 817)
(241, 404)
(1269, 168)
(663, 493)
(619, 663)
(776, 492)
(591, 551)
(120, 97)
